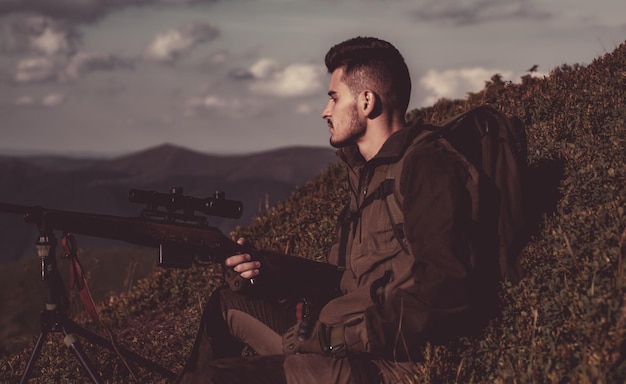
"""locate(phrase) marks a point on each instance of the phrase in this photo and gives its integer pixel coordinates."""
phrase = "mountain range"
(98, 185)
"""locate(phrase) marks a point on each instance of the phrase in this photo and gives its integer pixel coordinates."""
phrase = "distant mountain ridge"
(101, 185)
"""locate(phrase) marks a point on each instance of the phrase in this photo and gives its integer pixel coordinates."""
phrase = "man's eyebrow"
(332, 93)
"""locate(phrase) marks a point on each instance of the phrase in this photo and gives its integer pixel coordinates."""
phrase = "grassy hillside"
(565, 321)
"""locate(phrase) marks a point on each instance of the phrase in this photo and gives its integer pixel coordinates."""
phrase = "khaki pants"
(231, 320)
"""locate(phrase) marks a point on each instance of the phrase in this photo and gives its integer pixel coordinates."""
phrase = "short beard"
(357, 129)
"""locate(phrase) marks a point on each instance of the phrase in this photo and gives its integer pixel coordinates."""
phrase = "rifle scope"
(216, 205)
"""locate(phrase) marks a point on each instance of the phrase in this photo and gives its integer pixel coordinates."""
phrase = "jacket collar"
(392, 150)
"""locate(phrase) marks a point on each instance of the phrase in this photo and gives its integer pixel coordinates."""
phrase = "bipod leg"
(53, 321)
(33, 357)
(132, 356)
(53, 317)
(71, 342)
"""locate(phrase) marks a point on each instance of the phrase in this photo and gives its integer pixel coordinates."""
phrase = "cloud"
(169, 46)
(80, 11)
(264, 77)
(456, 83)
(34, 70)
(84, 62)
(477, 11)
(294, 80)
(264, 68)
(53, 99)
(304, 109)
(56, 45)
(24, 101)
(219, 57)
(51, 41)
(54, 68)
(39, 34)
(234, 107)
(240, 74)
(50, 100)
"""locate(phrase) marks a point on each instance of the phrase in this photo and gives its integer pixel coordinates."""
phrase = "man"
(401, 286)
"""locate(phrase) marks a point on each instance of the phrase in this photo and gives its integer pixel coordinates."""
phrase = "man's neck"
(376, 135)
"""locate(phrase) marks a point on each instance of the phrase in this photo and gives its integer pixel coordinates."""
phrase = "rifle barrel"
(16, 208)
(200, 239)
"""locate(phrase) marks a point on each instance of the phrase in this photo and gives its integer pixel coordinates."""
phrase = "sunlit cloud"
(292, 81)
(37, 34)
(51, 41)
(171, 45)
(456, 83)
(53, 99)
(33, 70)
(264, 68)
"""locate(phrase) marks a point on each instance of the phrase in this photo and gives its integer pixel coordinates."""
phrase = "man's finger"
(250, 274)
(243, 267)
(237, 259)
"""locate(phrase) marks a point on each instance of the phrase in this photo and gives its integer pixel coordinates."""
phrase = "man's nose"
(326, 111)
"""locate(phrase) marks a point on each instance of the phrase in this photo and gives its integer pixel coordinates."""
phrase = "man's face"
(341, 113)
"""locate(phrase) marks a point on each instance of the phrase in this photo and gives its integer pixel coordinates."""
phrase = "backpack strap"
(345, 221)
(394, 200)
(393, 203)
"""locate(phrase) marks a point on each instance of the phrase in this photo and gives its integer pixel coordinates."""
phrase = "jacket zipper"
(360, 220)
(365, 176)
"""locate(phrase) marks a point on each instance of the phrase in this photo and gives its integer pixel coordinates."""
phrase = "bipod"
(54, 319)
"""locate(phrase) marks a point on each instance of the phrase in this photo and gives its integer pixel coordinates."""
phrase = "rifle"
(171, 223)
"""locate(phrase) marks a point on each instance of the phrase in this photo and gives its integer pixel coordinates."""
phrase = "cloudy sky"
(108, 77)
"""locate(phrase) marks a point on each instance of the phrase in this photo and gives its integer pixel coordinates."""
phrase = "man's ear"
(369, 103)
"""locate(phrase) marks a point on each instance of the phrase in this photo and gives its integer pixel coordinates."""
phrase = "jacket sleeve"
(438, 213)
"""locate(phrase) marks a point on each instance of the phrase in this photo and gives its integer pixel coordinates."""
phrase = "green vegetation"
(565, 321)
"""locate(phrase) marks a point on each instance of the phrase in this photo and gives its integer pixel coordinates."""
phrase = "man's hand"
(243, 263)
(241, 269)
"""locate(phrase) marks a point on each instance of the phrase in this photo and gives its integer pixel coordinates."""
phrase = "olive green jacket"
(395, 300)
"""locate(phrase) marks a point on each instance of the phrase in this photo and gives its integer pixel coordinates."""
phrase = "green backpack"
(496, 146)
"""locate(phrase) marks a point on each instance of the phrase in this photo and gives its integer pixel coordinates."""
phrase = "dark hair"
(369, 62)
